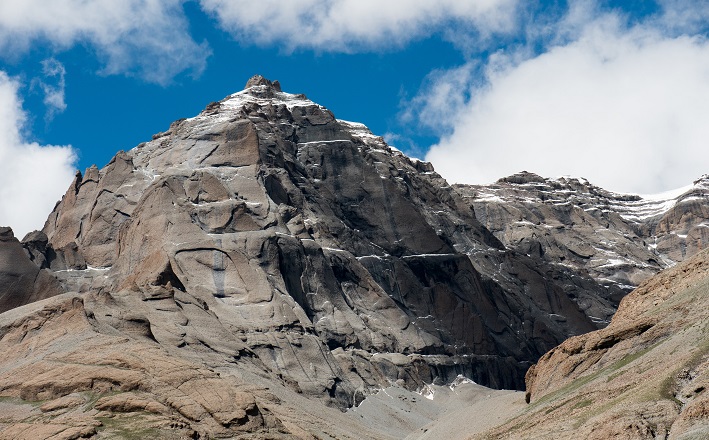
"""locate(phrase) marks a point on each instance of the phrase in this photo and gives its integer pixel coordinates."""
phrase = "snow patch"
(291, 101)
(666, 195)
(460, 380)
(427, 391)
(361, 131)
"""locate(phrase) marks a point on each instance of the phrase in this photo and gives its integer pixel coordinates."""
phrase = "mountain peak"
(523, 177)
(265, 203)
(258, 80)
(266, 245)
(702, 181)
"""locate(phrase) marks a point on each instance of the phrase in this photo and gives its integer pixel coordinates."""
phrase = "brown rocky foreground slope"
(65, 375)
(645, 376)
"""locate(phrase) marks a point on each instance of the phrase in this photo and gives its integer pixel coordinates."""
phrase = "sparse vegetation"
(127, 427)
(626, 360)
(668, 388)
(582, 404)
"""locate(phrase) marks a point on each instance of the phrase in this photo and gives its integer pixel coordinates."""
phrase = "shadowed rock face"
(619, 240)
(270, 243)
(21, 281)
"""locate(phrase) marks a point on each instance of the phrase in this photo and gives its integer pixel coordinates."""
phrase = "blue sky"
(613, 91)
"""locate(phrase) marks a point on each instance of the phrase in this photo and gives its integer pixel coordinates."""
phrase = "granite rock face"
(619, 240)
(275, 215)
(266, 244)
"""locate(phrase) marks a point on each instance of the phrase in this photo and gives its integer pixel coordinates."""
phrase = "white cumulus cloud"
(350, 25)
(147, 38)
(32, 177)
(626, 108)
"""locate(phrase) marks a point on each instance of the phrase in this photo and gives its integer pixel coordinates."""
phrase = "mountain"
(620, 240)
(265, 270)
(258, 263)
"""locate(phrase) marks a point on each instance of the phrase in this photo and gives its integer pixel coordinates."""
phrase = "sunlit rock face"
(272, 245)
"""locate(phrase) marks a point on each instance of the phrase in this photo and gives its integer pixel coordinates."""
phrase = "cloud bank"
(32, 177)
(352, 25)
(145, 38)
(625, 107)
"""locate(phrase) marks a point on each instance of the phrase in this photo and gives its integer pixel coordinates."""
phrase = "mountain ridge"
(619, 239)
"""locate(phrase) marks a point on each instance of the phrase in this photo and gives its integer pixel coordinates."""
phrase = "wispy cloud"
(354, 25)
(446, 92)
(53, 84)
(145, 38)
(33, 177)
(683, 16)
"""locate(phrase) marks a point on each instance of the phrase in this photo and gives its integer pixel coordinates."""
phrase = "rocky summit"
(259, 269)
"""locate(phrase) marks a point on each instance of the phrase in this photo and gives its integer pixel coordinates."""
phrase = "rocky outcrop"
(21, 281)
(88, 378)
(619, 240)
(643, 377)
(681, 230)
